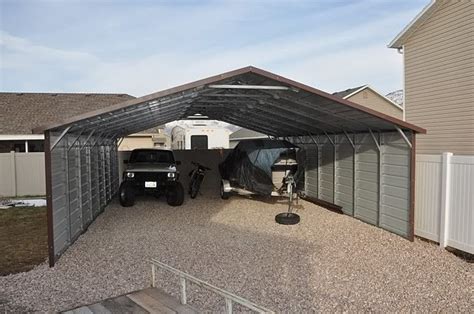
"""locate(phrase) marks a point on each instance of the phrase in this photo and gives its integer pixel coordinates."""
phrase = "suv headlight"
(130, 174)
(171, 174)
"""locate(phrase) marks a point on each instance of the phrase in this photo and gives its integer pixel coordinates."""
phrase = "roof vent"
(19, 94)
(54, 95)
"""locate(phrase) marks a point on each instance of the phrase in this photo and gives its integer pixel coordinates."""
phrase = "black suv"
(154, 171)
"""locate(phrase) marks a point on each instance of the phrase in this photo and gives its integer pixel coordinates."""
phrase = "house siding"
(369, 99)
(439, 79)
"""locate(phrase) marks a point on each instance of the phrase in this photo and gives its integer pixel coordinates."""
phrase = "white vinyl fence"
(22, 174)
(444, 208)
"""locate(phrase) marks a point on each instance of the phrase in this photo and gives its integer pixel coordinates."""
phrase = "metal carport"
(355, 157)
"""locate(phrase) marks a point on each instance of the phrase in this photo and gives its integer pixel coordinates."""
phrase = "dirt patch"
(23, 238)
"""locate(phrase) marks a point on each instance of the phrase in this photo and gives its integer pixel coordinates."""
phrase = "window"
(35, 146)
(199, 142)
(8, 146)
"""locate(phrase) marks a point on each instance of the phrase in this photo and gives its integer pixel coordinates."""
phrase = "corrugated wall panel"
(326, 170)
(344, 174)
(59, 196)
(74, 183)
(366, 179)
(95, 181)
(81, 185)
(85, 187)
(311, 172)
(395, 202)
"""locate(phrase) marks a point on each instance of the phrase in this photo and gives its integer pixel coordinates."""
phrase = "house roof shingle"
(21, 112)
(348, 91)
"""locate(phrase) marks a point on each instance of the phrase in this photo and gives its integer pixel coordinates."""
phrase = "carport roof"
(248, 97)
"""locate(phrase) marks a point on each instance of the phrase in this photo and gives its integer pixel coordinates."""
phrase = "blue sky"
(139, 47)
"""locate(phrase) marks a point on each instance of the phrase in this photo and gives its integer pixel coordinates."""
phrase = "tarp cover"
(249, 165)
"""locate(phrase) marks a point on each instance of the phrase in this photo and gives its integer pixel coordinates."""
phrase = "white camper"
(199, 134)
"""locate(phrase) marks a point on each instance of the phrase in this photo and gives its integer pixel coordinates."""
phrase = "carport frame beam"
(263, 87)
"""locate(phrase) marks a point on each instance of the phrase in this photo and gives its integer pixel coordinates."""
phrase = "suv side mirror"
(125, 161)
(178, 162)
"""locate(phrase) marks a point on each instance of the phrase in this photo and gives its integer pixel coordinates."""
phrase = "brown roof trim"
(223, 76)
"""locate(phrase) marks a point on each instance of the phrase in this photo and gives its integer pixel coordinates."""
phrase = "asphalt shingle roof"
(21, 112)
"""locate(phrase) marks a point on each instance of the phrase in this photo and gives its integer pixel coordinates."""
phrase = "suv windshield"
(162, 156)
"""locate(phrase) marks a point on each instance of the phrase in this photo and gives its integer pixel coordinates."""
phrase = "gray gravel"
(328, 262)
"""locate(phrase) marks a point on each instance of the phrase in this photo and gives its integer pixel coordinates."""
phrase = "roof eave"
(400, 39)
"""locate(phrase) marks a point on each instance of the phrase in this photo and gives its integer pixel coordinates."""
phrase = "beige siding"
(133, 142)
(369, 99)
(439, 79)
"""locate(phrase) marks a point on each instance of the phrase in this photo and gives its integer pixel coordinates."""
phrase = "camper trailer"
(196, 134)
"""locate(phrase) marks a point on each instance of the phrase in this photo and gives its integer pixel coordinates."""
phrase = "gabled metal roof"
(247, 97)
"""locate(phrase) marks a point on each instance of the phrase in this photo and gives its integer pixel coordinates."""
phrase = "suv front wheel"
(126, 194)
(175, 194)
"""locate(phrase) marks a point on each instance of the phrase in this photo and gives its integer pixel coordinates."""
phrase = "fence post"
(13, 168)
(445, 199)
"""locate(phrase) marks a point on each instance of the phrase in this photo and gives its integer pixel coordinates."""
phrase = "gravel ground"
(328, 262)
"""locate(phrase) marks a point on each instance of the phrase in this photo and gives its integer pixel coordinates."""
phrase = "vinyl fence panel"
(444, 209)
(22, 174)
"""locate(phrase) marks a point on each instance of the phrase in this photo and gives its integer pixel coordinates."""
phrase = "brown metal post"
(411, 232)
(49, 197)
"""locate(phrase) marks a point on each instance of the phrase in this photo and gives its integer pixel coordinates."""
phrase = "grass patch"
(23, 238)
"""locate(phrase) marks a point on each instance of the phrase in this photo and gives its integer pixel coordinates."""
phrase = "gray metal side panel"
(84, 179)
(95, 181)
(344, 175)
(74, 208)
(311, 171)
(396, 159)
(59, 198)
(366, 179)
(326, 171)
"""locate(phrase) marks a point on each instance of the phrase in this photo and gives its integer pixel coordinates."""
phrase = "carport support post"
(411, 231)
(49, 197)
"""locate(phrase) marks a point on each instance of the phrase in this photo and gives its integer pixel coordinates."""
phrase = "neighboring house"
(21, 112)
(152, 138)
(438, 53)
(199, 134)
(242, 135)
(370, 98)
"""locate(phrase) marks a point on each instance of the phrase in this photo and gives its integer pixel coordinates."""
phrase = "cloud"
(206, 41)
(18, 53)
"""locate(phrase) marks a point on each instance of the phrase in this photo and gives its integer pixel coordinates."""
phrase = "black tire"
(175, 194)
(127, 194)
(195, 186)
(287, 219)
(224, 195)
